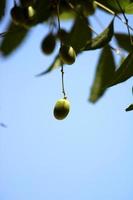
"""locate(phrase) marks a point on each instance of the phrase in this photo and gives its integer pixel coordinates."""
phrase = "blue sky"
(86, 156)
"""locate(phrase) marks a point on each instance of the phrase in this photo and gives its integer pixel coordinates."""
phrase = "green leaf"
(14, 37)
(80, 33)
(129, 9)
(67, 15)
(85, 8)
(129, 108)
(123, 41)
(102, 39)
(2, 8)
(124, 72)
(112, 5)
(43, 10)
(56, 63)
(104, 73)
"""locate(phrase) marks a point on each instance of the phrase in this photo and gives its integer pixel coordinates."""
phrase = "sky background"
(86, 156)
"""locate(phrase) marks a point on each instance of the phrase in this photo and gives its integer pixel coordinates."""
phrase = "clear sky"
(87, 156)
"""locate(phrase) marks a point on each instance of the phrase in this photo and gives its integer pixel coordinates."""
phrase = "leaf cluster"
(81, 36)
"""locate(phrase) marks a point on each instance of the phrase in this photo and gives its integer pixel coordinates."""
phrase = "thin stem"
(126, 21)
(91, 28)
(113, 13)
(62, 66)
(62, 79)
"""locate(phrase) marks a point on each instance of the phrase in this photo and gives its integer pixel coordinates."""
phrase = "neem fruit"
(23, 16)
(67, 54)
(61, 109)
(48, 44)
(17, 15)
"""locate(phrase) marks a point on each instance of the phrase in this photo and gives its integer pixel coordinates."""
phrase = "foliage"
(51, 11)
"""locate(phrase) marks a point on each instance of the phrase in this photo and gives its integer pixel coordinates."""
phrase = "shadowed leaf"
(2, 8)
(43, 10)
(123, 41)
(14, 37)
(56, 63)
(102, 39)
(104, 73)
(124, 72)
(129, 108)
(80, 33)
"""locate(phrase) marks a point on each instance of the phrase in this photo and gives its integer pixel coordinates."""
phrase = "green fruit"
(48, 44)
(30, 16)
(23, 16)
(67, 54)
(61, 109)
(30, 12)
(17, 15)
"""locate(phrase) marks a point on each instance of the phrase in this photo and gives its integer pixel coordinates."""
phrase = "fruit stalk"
(62, 66)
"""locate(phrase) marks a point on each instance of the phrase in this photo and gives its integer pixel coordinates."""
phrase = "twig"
(91, 28)
(126, 22)
(113, 13)
(62, 66)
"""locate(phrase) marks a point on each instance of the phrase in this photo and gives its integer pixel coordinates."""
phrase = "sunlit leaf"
(102, 39)
(124, 72)
(104, 73)
(124, 41)
(56, 63)
(129, 8)
(14, 37)
(80, 33)
(67, 15)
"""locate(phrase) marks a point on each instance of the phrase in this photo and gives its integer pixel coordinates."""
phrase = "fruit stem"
(90, 27)
(126, 22)
(113, 13)
(62, 66)
(62, 78)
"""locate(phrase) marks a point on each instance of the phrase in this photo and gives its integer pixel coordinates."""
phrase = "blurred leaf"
(14, 37)
(56, 63)
(2, 8)
(102, 39)
(124, 41)
(129, 9)
(112, 4)
(43, 10)
(122, 58)
(67, 15)
(129, 108)
(85, 8)
(104, 73)
(80, 33)
(124, 72)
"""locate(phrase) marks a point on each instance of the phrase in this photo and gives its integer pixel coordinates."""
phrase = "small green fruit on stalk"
(61, 109)
(48, 44)
(67, 54)
(17, 15)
